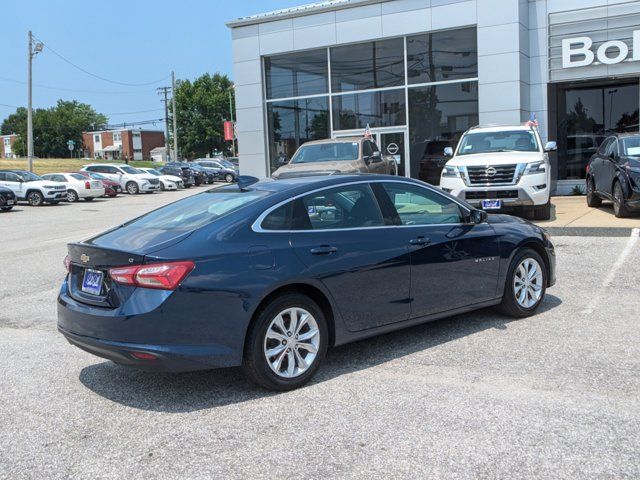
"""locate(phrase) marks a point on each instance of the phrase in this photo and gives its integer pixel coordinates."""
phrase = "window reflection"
(367, 65)
(438, 116)
(294, 122)
(447, 55)
(587, 116)
(296, 74)
(378, 109)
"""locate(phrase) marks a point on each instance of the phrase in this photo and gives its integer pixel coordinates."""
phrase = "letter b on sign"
(577, 46)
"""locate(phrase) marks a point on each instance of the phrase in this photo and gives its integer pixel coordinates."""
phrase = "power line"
(9, 106)
(98, 76)
(134, 113)
(75, 90)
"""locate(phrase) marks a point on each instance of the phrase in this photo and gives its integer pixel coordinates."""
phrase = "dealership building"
(421, 72)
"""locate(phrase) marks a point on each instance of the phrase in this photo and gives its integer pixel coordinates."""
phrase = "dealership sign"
(578, 52)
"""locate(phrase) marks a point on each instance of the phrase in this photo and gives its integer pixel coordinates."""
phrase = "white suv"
(131, 179)
(32, 188)
(501, 168)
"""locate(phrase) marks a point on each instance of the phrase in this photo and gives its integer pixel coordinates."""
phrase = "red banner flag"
(228, 130)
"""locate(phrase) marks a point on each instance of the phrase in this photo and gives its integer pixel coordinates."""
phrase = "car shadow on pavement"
(187, 392)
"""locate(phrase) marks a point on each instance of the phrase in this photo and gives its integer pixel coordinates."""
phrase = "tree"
(202, 106)
(53, 127)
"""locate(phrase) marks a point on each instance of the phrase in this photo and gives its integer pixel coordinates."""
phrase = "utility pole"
(33, 51)
(173, 108)
(164, 91)
(232, 121)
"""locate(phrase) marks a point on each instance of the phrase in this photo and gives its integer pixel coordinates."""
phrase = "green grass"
(60, 165)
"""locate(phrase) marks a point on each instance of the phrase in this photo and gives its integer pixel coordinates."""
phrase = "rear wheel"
(593, 200)
(619, 203)
(228, 178)
(542, 212)
(287, 343)
(132, 188)
(526, 284)
(72, 196)
(35, 199)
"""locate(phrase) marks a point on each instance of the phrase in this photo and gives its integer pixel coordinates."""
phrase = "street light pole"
(173, 108)
(29, 107)
(233, 123)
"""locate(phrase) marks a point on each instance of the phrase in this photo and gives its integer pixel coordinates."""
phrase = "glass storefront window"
(294, 122)
(296, 74)
(586, 116)
(446, 55)
(378, 109)
(367, 65)
(438, 116)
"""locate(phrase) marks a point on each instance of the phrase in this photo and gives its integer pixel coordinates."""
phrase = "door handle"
(420, 241)
(323, 250)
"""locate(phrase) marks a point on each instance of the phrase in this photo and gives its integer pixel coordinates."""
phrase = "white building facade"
(421, 72)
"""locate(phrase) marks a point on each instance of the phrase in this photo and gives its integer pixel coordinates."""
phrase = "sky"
(133, 42)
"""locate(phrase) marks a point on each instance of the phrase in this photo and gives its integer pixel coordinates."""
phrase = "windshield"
(153, 171)
(631, 146)
(326, 152)
(131, 170)
(29, 177)
(194, 212)
(507, 141)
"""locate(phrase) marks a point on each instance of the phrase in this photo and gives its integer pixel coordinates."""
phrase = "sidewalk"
(571, 216)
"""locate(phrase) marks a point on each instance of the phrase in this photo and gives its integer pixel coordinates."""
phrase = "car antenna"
(245, 181)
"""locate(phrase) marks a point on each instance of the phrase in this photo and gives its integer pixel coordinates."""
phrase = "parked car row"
(101, 180)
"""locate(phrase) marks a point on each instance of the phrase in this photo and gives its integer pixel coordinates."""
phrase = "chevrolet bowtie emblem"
(84, 258)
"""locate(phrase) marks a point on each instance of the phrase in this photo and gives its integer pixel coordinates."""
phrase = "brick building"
(6, 145)
(121, 144)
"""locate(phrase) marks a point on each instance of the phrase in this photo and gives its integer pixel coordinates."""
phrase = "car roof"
(622, 135)
(336, 140)
(499, 128)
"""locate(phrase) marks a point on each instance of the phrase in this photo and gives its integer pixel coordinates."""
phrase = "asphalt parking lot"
(475, 396)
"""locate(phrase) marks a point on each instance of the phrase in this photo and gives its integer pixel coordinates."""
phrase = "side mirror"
(448, 152)
(376, 156)
(550, 146)
(478, 216)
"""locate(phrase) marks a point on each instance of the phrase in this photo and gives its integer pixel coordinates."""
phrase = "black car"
(7, 199)
(210, 175)
(184, 174)
(199, 177)
(613, 173)
(224, 171)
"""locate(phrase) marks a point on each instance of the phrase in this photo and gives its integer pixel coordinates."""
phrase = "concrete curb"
(591, 231)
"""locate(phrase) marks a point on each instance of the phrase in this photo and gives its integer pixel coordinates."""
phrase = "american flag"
(367, 132)
(532, 122)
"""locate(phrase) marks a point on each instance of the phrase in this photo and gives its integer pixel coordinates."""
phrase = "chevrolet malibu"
(269, 274)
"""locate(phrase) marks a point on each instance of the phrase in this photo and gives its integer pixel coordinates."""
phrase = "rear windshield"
(487, 142)
(194, 212)
(326, 152)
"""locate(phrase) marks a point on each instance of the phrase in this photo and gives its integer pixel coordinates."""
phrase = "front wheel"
(287, 343)
(619, 203)
(35, 199)
(162, 187)
(132, 188)
(593, 200)
(526, 284)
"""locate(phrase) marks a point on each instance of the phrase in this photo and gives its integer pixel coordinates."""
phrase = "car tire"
(619, 203)
(228, 178)
(35, 199)
(5, 209)
(593, 200)
(132, 188)
(542, 212)
(269, 349)
(72, 196)
(162, 187)
(522, 299)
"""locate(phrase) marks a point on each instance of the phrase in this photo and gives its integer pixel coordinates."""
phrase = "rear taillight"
(67, 263)
(87, 185)
(587, 168)
(163, 276)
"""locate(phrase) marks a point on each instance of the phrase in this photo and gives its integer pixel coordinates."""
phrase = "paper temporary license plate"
(491, 204)
(92, 282)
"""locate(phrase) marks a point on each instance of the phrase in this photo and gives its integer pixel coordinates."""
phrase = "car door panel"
(598, 166)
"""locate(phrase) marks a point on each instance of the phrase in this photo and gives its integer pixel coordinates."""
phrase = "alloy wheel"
(527, 283)
(618, 199)
(291, 342)
(72, 196)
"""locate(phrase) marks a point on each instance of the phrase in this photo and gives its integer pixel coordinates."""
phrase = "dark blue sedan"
(268, 276)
